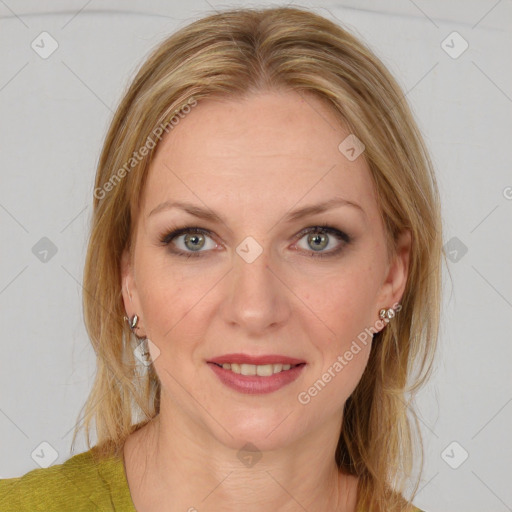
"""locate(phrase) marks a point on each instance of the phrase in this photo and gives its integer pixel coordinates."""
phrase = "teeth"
(248, 369)
(262, 370)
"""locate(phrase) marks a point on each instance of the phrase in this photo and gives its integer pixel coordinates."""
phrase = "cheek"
(343, 354)
(175, 300)
(163, 295)
(344, 302)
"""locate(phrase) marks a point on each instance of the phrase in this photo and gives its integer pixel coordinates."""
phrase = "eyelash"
(167, 238)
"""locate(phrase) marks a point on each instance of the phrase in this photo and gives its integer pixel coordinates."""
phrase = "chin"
(264, 431)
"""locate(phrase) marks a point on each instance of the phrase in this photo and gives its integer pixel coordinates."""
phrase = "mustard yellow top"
(77, 485)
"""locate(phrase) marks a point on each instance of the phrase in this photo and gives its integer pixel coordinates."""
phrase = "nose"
(257, 299)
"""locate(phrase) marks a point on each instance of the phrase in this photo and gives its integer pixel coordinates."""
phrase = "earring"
(143, 348)
(386, 314)
(132, 322)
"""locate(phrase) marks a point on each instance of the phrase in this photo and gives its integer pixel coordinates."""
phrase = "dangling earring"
(143, 347)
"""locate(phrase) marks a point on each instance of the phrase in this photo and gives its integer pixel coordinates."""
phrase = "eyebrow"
(206, 214)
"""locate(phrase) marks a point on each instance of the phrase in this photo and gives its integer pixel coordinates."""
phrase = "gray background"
(54, 115)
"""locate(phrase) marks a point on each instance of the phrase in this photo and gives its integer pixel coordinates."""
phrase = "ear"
(393, 286)
(129, 288)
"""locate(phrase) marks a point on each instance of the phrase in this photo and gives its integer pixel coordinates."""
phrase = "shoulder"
(63, 486)
(79, 484)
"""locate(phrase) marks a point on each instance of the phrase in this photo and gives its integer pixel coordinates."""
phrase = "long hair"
(233, 54)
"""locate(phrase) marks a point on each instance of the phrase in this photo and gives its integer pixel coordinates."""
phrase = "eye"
(193, 239)
(189, 241)
(319, 238)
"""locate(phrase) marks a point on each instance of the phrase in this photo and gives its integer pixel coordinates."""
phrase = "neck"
(179, 463)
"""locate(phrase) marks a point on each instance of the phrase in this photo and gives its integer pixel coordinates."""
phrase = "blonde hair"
(232, 54)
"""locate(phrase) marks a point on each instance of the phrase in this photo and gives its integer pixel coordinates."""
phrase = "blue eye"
(195, 239)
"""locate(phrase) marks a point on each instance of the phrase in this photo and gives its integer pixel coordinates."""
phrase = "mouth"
(256, 374)
(261, 370)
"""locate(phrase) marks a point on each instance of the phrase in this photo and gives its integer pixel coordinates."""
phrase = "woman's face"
(263, 284)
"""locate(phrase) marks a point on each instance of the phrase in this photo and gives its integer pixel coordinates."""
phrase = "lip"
(254, 384)
(257, 360)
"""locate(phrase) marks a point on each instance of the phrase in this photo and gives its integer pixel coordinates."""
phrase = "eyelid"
(172, 233)
(343, 238)
(327, 228)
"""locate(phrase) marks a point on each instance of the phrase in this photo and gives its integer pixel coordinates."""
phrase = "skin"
(253, 161)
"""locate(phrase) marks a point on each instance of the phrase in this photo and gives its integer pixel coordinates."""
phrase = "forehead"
(268, 149)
